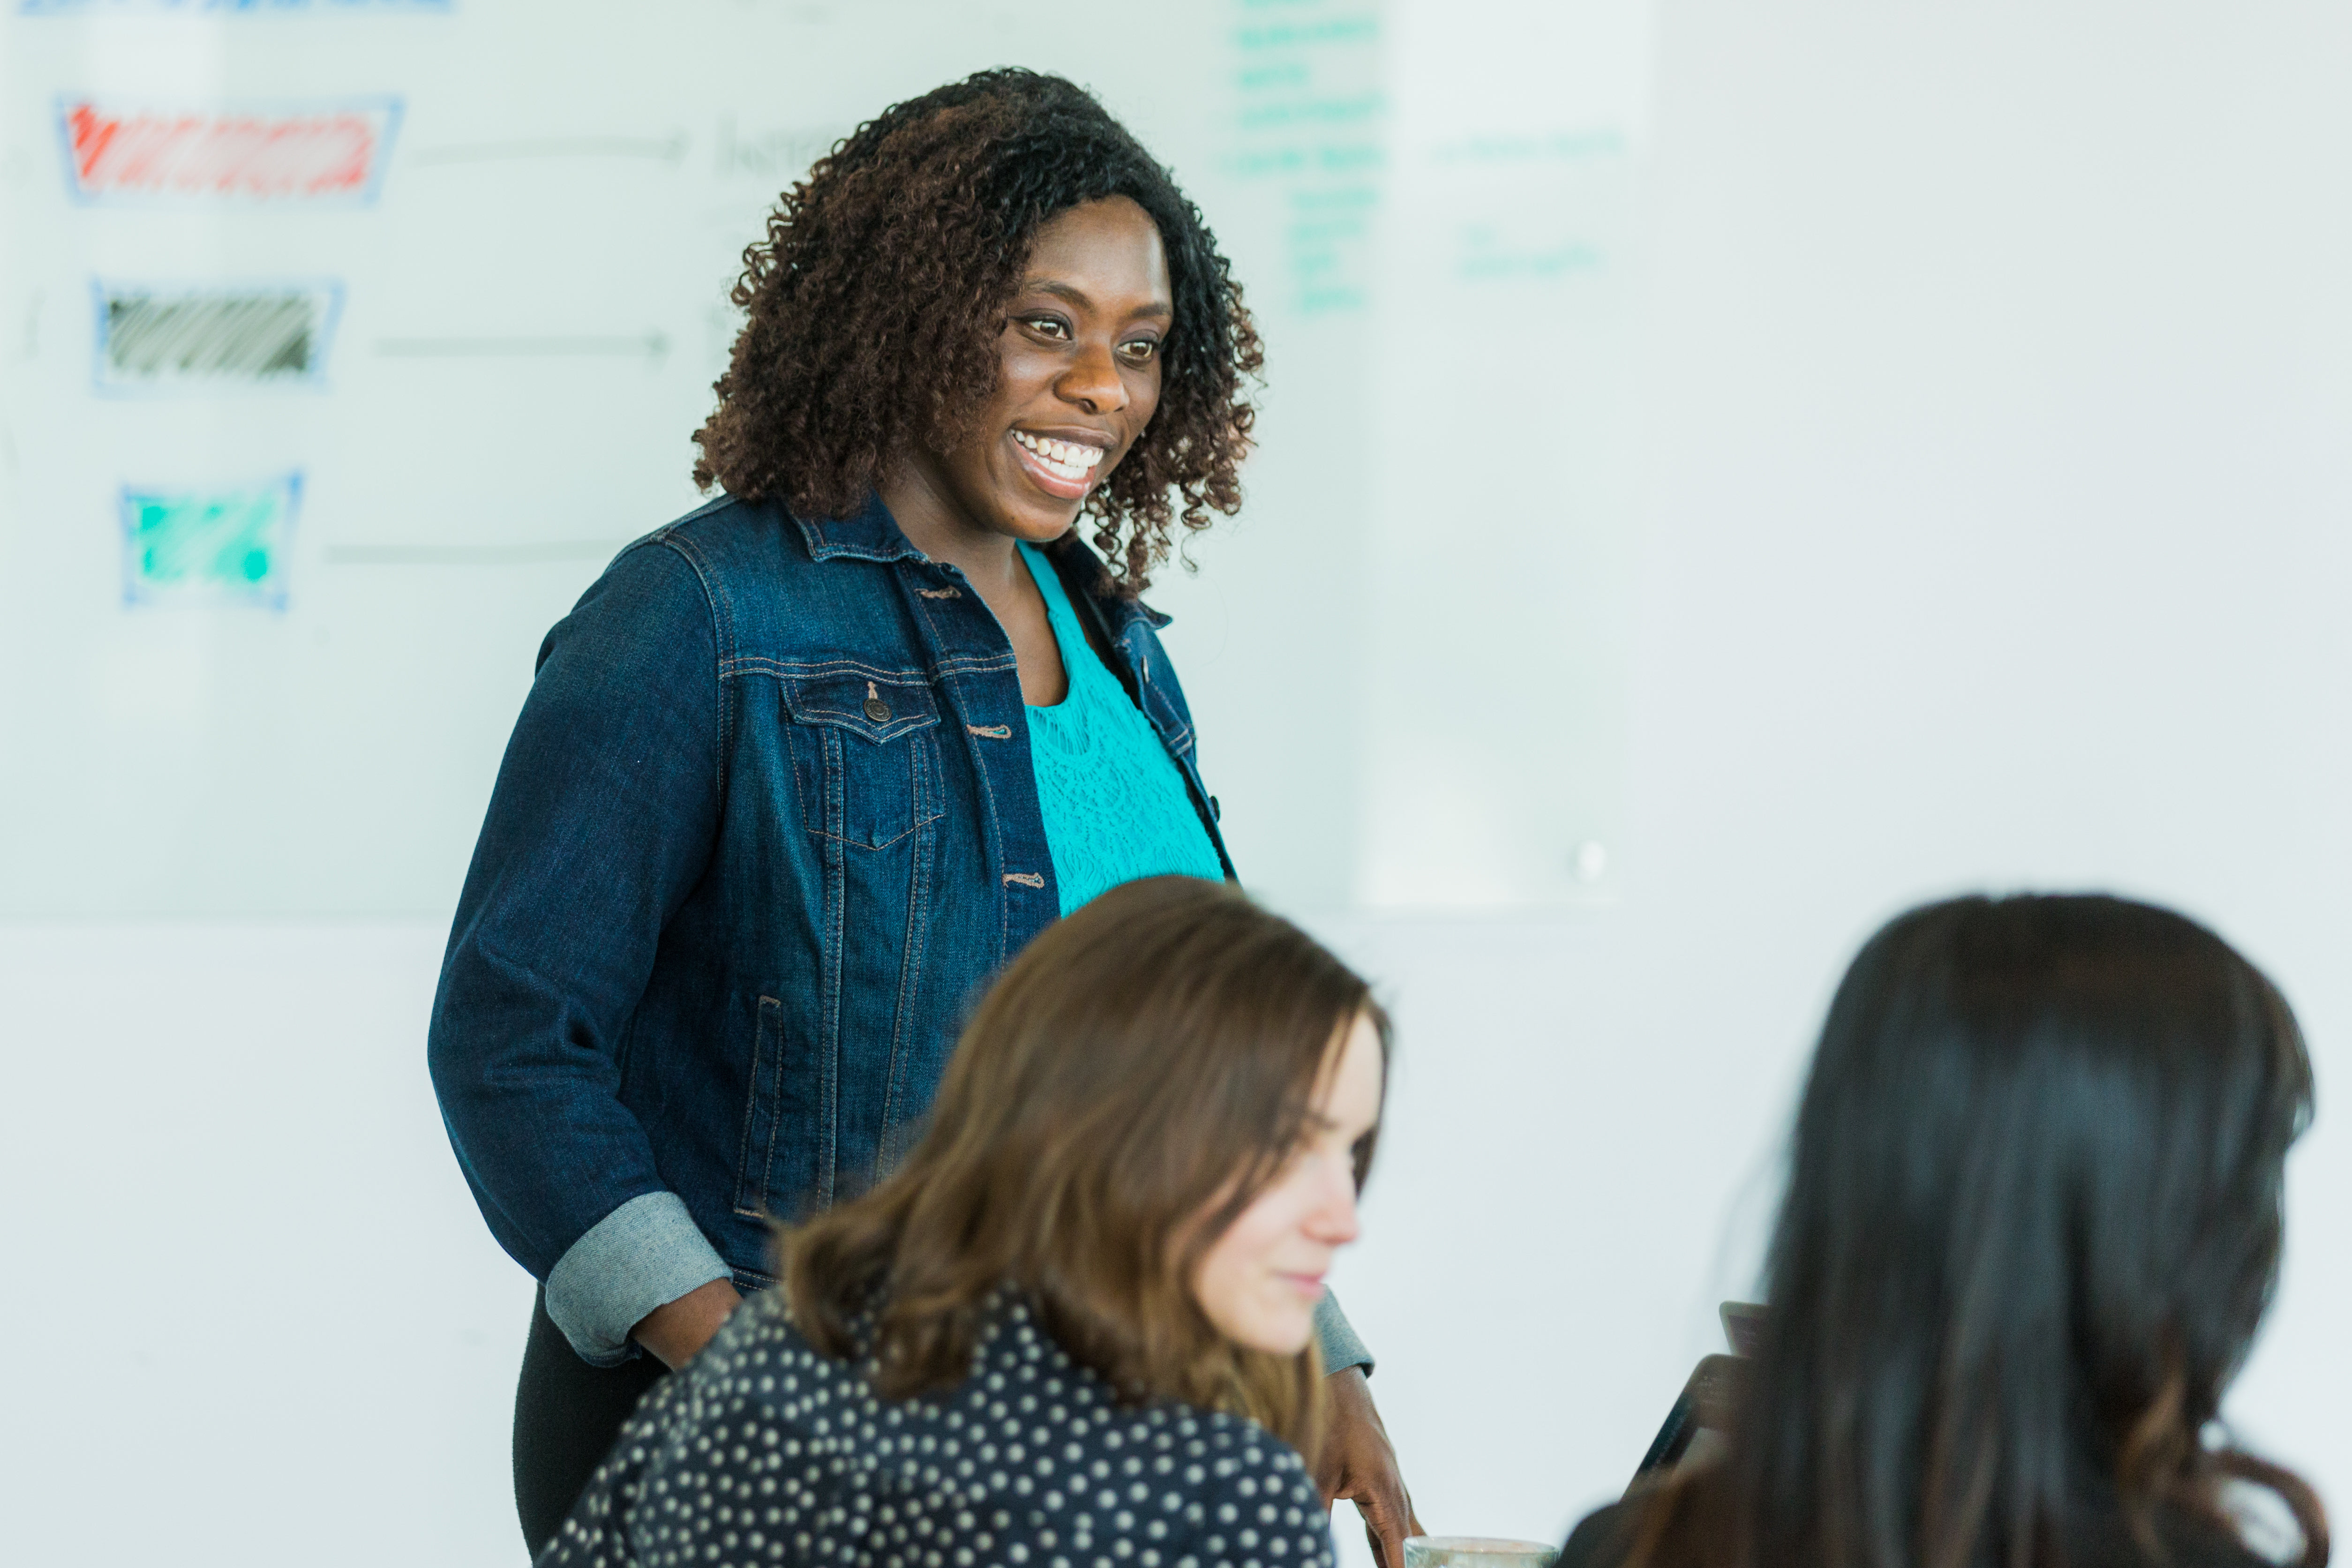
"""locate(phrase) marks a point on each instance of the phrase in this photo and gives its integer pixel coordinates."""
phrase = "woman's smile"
(1063, 464)
(1309, 1286)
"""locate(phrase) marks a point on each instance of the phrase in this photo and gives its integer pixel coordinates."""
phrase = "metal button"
(875, 708)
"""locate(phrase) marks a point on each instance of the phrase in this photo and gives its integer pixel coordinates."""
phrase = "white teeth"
(1065, 459)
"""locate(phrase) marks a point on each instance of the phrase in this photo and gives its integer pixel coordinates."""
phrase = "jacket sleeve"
(602, 822)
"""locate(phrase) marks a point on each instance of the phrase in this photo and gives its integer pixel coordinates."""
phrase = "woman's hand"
(1358, 1464)
(676, 1330)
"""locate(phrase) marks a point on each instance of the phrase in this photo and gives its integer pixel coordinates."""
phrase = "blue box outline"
(272, 597)
(391, 104)
(312, 380)
(227, 7)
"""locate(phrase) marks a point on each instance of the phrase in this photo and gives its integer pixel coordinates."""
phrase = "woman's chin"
(1035, 525)
(1276, 1335)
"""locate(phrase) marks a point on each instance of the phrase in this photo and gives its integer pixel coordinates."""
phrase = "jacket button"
(875, 708)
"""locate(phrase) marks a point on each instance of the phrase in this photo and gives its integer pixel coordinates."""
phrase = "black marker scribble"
(256, 337)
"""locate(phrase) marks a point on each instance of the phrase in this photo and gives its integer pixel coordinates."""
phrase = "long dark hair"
(2033, 1219)
(1135, 1080)
(875, 300)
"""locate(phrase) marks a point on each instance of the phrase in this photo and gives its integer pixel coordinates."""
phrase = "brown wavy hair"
(1138, 1075)
(876, 300)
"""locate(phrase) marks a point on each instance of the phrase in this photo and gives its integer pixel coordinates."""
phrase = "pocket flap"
(875, 704)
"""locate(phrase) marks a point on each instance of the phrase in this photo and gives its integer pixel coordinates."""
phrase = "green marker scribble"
(1286, 73)
(221, 546)
(1558, 146)
(1356, 198)
(1292, 36)
(1313, 112)
(1309, 118)
(1487, 259)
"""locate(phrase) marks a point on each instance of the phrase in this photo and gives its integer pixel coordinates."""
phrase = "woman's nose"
(1093, 382)
(1332, 1221)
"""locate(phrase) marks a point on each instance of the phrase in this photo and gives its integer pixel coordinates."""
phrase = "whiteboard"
(345, 341)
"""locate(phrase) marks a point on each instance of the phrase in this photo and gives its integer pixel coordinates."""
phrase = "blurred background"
(1728, 473)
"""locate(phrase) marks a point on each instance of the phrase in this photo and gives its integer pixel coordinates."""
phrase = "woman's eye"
(1140, 350)
(1048, 325)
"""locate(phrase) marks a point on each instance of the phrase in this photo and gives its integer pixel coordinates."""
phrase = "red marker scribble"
(237, 154)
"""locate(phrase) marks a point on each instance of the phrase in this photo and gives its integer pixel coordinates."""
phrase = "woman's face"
(1078, 375)
(1260, 1281)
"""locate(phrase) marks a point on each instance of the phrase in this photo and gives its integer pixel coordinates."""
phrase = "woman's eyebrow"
(1083, 301)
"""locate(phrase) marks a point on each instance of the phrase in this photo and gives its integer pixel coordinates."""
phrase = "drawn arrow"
(653, 346)
(668, 150)
(472, 555)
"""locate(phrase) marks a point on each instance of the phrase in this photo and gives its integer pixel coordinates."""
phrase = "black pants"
(567, 1414)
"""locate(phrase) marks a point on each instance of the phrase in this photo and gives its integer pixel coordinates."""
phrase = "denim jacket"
(765, 828)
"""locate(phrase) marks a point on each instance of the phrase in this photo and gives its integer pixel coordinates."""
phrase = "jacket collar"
(871, 533)
(1081, 569)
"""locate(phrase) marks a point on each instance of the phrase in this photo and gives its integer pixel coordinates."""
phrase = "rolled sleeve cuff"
(1342, 1348)
(645, 1254)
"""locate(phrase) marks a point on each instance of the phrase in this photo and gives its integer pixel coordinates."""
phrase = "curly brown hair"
(876, 300)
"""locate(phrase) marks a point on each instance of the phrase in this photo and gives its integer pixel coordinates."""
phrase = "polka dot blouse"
(765, 1451)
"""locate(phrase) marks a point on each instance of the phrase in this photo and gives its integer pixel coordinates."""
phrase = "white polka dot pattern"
(763, 1451)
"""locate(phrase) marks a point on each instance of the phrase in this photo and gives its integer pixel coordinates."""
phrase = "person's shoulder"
(1241, 1451)
(758, 1374)
(1243, 1490)
(715, 573)
(723, 527)
(727, 542)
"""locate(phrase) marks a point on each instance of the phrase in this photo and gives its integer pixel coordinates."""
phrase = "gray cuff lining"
(1342, 1348)
(643, 1255)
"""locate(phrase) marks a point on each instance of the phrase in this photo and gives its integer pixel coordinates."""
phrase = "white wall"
(1998, 364)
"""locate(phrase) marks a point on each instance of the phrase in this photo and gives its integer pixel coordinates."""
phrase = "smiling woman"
(806, 768)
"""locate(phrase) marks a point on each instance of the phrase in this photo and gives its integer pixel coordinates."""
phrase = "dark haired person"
(2033, 1219)
(803, 769)
(1077, 1323)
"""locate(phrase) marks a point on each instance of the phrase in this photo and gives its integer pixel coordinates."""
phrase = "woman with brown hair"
(2035, 1215)
(1077, 1323)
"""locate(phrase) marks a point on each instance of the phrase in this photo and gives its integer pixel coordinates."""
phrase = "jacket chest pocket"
(865, 757)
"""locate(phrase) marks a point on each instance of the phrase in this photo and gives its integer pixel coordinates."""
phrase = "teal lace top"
(1116, 807)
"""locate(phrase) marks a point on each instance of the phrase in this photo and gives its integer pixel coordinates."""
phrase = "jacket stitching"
(722, 638)
(834, 962)
(744, 1184)
(881, 733)
(910, 961)
(807, 669)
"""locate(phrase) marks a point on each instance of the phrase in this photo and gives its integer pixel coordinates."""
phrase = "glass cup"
(1475, 1551)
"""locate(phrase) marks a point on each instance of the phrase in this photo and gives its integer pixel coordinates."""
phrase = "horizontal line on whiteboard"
(669, 149)
(471, 555)
(652, 345)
